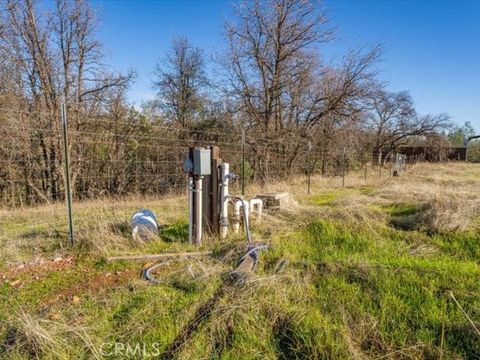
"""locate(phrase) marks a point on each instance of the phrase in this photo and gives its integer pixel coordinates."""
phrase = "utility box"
(202, 162)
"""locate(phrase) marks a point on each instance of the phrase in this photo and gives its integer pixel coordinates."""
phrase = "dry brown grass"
(45, 338)
(448, 198)
(448, 195)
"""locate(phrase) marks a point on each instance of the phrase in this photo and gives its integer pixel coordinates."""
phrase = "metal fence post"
(243, 161)
(68, 189)
(380, 165)
(365, 172)
(390, 167)
(309, 165)
(343, 167)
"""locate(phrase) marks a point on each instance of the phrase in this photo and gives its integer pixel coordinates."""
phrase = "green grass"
(402, 209)
(328, 197)
(349, 289)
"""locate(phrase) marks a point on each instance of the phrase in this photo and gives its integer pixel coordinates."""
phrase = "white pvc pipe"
(237, 204)
(190, 210)
(224, 201)
(198, 211)
(236, 216)
(245, 216)
(256, 205)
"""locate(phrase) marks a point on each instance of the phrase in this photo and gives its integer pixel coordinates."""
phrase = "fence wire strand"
(111, 160)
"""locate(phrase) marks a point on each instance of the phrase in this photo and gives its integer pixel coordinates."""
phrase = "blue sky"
(432, 48)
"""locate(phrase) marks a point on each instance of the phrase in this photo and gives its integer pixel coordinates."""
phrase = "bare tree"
(393, 119)
(180, 82)
(47, 56)
(282, 88)
(270, 59)
(269, 48)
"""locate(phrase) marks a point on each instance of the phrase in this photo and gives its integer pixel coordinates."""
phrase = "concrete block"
(274, 200)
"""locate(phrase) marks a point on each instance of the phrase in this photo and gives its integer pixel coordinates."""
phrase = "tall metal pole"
(309, 166)
(68, 189)
(190, 210)
(198, 210)
(224, 200)
(243, 161)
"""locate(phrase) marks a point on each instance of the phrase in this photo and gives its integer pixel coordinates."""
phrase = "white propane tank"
(144, 225)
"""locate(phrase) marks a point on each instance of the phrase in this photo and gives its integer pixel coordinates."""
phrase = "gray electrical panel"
(201, 162)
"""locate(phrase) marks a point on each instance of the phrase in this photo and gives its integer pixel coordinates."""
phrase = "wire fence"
(115, 158)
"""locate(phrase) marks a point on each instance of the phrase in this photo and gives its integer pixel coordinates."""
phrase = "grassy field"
(387, 269)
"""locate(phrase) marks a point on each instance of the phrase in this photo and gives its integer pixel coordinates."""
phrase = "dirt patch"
(89, 285)
(34, 270)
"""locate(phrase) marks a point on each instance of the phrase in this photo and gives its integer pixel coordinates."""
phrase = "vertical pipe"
(258, 204)
(68, 190)
(198, 210)
(246, 224)
(243, 161)
(224, 201)
(236, 216)
(190, 210)
(309, 165)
